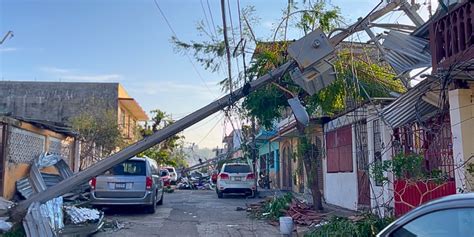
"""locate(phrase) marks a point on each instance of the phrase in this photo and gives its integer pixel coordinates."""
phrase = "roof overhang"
(417, 104)
(134, 108)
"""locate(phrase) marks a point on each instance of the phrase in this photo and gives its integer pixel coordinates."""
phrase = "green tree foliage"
(98, 131)
(170, 151)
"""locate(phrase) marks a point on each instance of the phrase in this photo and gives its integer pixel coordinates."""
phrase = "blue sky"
(128, 41)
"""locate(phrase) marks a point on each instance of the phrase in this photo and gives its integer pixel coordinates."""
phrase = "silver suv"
(134, 182)
(236, 178)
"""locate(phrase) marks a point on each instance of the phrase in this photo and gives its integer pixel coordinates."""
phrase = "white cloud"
(93, 78)
(55, 70)
(8, 49)
(74, 75)
(159, 87)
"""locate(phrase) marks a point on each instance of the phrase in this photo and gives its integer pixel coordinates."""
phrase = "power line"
(210, 14)
(207, 21)
(215, 125)
(185, 52)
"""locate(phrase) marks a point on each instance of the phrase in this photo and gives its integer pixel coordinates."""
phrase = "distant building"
(61, 101)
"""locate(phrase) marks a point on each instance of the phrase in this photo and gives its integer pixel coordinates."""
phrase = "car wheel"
(220, 194)
(151, 209)
(161, 199)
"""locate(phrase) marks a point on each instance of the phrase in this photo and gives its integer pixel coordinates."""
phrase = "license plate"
(237, 178)
(120, 185)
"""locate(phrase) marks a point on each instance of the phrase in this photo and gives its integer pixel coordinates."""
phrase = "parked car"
(165, 176)
(136, 181)
(448, 216)
(173, 174)
(236, 178)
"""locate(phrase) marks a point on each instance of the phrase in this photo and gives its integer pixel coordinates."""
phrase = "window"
(131, 167)
(237, 169)
(445, 223)
(377, 146)
(339, 150)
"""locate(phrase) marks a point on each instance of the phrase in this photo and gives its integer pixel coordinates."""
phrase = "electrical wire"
(186, 53)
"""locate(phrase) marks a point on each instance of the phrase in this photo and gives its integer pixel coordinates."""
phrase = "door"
(362, 164)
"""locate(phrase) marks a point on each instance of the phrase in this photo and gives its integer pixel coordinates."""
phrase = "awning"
(134, 108)
(416, 104)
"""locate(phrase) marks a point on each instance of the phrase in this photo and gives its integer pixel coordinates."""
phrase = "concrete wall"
(461, 103)
(53, 101)
(381, 195)
(341, 189)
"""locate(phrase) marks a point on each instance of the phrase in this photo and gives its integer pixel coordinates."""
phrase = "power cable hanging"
(176, 36)
(211, 30)
(212, 17)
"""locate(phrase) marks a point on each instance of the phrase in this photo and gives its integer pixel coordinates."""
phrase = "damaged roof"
(416, 104)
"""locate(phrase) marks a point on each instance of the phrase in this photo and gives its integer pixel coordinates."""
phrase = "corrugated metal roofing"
(406, 52)
(410, 106)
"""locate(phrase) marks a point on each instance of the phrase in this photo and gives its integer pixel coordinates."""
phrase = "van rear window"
(237, 169)
(131, 167)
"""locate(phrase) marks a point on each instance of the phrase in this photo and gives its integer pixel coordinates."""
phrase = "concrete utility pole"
(82, 177)
(134, 149)
(227, 49)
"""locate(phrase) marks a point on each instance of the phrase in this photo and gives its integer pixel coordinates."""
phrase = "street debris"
(60, 216)
(81, 215)
(274, 207)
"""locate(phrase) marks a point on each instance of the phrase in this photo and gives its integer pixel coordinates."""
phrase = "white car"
(173, 174)
(236, 178)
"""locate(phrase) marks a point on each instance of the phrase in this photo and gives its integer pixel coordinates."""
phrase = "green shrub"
(369, 225)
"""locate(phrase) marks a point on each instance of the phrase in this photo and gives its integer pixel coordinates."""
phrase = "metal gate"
(362, 154)
(433, 140)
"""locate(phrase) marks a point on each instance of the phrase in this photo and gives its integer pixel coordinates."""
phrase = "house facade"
(62, 101)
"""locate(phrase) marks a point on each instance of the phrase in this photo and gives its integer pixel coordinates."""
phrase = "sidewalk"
(333, 209)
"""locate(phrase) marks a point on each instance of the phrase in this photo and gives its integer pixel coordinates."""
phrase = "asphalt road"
(189, 213)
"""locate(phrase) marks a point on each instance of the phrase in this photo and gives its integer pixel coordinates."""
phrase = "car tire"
(151, 209)
(161, 199)
(220, 194)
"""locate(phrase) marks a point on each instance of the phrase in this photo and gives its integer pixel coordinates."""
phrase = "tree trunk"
(312, 177)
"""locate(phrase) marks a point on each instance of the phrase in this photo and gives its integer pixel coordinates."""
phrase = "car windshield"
(131, 167)
(170, 170)
(164, 173)
(237, 169)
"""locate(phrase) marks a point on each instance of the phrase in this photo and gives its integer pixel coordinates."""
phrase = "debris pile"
(274, 207)
(4, 206)
(61, 216)
(302, 214)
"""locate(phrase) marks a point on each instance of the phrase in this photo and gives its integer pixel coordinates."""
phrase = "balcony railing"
(451, 37)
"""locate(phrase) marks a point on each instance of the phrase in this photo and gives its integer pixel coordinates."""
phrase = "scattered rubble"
(61, 216)
(301, 213)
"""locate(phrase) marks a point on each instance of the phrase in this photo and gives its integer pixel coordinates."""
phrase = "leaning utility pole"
(100, 167)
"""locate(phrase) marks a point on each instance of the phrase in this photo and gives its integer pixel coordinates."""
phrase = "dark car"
(445, 217)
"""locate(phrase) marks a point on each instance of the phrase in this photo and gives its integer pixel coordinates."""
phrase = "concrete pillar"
(461, 112)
